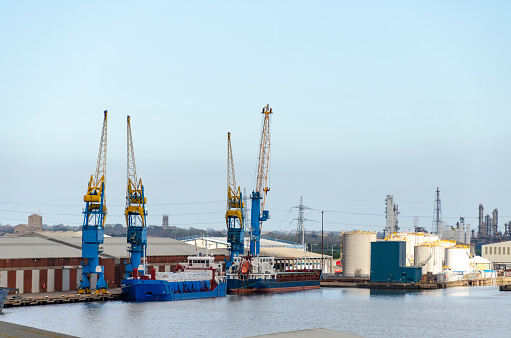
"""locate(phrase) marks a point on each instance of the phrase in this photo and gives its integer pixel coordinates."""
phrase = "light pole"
(321, 241)
(312, 245)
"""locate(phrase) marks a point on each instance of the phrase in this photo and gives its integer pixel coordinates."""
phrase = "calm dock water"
(452, 312)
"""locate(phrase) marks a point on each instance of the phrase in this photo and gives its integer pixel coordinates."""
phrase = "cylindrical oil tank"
(430, 258)
(458, 259)
(446, 243)
(413, 239)
(356, 248)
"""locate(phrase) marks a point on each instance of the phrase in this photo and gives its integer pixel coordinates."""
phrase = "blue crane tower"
(234, 214)
(94, 221)
(135, 213)
(258, 214)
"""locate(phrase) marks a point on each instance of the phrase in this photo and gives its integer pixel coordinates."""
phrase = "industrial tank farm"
(458, 259)
(430, 258)
(412, 239)
(357, 253)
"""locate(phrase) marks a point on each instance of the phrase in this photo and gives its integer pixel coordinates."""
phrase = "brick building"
(46, 261)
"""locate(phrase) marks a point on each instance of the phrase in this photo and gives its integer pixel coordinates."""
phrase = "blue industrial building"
(388, 263)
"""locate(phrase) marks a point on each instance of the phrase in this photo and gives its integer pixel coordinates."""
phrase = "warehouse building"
(38, 265)
(49, 261)
(497, 253)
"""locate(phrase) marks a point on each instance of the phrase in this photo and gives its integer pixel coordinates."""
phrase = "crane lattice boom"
(132, 169)
(231, 178)
(264, 156)
(101, 164)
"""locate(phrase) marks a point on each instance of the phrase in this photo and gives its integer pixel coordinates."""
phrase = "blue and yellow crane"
(258, 214)
(94, 221)
(135, 213)
(234, 213)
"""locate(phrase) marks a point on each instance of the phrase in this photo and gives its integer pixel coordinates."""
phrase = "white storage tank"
(458, 259)
(430, 258)
(446, 243)
(356, 257)
(412, 240)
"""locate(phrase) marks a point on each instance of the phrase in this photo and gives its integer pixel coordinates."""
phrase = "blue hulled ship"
(199, 277)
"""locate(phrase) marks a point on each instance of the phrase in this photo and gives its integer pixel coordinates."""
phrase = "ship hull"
(159, 290)
(249, 286)
(4, 292)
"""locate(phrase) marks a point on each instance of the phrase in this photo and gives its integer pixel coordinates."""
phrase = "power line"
(111, 205)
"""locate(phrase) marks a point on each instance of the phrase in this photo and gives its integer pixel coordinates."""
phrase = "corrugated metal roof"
(268, 247)
(283, 252)
(69, 245)
(117, 247)
(34, 247)
(480, 260)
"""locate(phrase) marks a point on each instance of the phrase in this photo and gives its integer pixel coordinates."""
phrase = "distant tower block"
(437, 213)
(165, 222)
(391, 212)
(35, 222)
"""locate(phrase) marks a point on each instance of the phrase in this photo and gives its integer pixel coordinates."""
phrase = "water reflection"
(390, 293)
(358, 311)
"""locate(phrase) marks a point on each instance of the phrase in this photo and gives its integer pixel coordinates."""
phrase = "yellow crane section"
(234, 201)
(135, 199)
(95, 187)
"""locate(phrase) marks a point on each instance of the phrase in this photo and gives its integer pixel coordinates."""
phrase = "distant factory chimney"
(495, 223)
(481, 231)
(391, 212)
(487, 225)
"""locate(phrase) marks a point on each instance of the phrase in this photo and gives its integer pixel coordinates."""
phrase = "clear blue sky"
(369, 99)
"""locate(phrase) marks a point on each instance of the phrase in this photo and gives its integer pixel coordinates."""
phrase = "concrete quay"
(22, 331)
(503, 282)
(62, 297)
